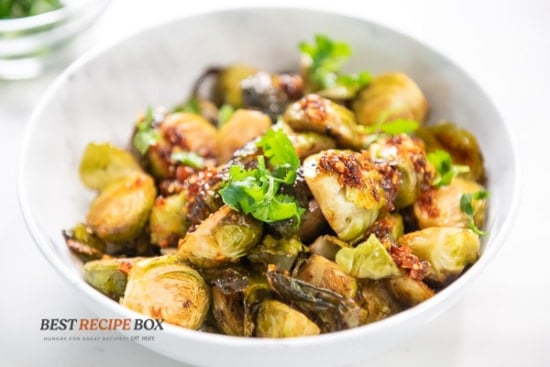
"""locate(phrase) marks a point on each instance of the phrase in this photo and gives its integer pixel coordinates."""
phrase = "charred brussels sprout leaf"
(165, 288)
(369, 259)
(121, 210)
(324, 273)
(278, 320)
(280, 252)
(330, 310)
(222, 238)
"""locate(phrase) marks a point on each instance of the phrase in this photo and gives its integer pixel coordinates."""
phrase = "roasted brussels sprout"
(403, 160)
(306, 143)
(387, 228)
(121, 210)
(236, 295)
(321, 115)
(278, 320)
(84, 243)
(369, 259)
(440, 207)
(313, 222)
(102, 164)
(408, 291)
(327, 246)
(109, 276)
(448, 250)
(348, 190)
(461, 145)
(228, 87)
(379, 300)
(389, 97)
(168, 221)
(186, 134)
(280, 252)
(165, 288)
(330, 310)
(324, 273)
(222, 238)
(242, 126)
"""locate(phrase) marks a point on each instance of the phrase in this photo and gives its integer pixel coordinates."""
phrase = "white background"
(504, 320)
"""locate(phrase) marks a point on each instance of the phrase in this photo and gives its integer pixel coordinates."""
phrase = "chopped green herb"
(187, 158)
(325, 59)
(395, 127)
(256, 191)
(224, 114)
(445, 169)
(467, 207)
(146, 135)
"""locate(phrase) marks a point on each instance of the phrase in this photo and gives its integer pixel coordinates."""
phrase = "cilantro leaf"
(187, 158)
(256, 191)
(225, 112)
(467, 207)
(445, 169)
(146, 135)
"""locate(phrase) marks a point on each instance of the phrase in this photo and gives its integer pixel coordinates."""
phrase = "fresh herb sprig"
(467, 207)
(445, 169)
(325, 57)
(187, 158)
(146, 134)
(257, 191)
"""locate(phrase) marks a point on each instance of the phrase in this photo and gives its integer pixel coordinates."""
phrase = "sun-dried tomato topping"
(405, 259)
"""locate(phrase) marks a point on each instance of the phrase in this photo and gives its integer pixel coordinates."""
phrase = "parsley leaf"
(187, 158)
(395, 127)
(467, 207)
(225, 112)
(445, 169)
(146, 135)
(256, 191)
(325, 57)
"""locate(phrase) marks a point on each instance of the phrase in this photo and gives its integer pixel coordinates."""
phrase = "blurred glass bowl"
(31, 44)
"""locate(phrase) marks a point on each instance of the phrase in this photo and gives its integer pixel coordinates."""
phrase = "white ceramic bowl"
(98, 98)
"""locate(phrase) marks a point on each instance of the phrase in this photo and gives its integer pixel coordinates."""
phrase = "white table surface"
(504, 320)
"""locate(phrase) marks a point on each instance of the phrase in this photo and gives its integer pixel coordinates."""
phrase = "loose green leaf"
(224, 114)
(467, 207)
(256, 191)
(395, 127)
(354, 82)
(146, 135)
(187, 158)
(445, 169)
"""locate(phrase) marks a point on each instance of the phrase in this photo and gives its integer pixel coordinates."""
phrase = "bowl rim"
(43, 243)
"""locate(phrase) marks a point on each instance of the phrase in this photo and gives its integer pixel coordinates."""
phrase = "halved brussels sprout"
(330, 310)
(440, 207)
(109, 276)
(102, 164)
(369, 259)
(404, 157)
(242, 127)
(327, 246)
(408, 291)
(379, 301)
(228, 88)
(461, 145)
(280, 252)
(448, 250)
(387, 228)
(235, 297)
(389, 97)
(222, 238)
(278, 320)
(121, 210)
(324, 273)
(82, 241)
(321, 115)
(167, 289)
(181, 132)
(349, 192)
(168, 221)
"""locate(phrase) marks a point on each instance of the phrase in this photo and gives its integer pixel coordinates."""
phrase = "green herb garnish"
(467, 207)
(187, 158)
(225, 112)
(395, 127)
(25, 8)
(325, 58)
(256, 191)
(445, 169)
(146, 134)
